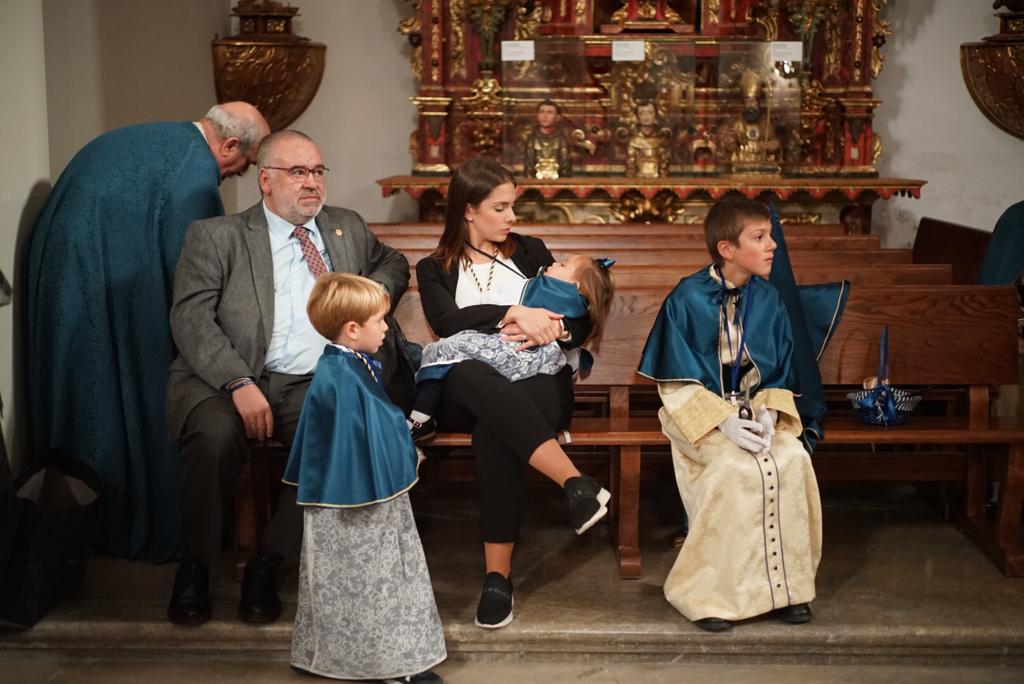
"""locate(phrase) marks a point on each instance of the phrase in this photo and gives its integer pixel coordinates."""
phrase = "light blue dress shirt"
(295, 346)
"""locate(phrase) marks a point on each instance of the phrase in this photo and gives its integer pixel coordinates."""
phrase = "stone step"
(897, 585)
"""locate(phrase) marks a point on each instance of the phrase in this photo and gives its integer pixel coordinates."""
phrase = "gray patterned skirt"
(440, 356)
(366, 608)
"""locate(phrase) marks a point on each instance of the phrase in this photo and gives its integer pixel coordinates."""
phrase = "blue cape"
(683, 343)
(1004, 258)
(352, 446)
(545, 292)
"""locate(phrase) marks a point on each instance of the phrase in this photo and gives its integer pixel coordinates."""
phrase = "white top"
(506, 286)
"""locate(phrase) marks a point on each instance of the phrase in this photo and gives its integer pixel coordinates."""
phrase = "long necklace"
(490, 273)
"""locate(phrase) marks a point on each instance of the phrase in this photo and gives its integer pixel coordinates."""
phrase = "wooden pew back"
(544, 230)
(938, 335)
(601, 244)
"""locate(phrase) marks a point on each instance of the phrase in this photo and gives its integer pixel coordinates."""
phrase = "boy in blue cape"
(574, 287)
(722, 353)
(366, 607)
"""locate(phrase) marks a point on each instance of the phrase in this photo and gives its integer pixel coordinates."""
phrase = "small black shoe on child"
(587, 502)
(425, 677)
(713, 624)
(798, 614)
(423, 432)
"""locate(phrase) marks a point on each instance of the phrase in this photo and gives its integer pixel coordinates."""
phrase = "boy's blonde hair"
(727, 219)
(597, 286)
(338, 298)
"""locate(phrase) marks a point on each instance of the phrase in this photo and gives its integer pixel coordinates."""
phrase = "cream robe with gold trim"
(755, 519)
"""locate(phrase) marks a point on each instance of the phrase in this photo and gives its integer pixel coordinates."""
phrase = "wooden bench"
(941, 242)
(545, 230)
(689, 260)
(613, 244)
(665, 277)
(948, 336)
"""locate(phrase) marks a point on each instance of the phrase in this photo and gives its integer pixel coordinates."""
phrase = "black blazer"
(437, 294)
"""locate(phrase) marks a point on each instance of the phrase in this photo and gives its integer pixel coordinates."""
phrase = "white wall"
(111, 63)
(25, 173)
(931, 128)
(361, 117)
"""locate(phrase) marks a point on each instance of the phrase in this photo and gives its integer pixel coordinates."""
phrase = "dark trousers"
(213, 448)
(508, 421)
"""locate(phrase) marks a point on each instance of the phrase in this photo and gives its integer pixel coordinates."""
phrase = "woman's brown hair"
(470, 186)
(597, 286)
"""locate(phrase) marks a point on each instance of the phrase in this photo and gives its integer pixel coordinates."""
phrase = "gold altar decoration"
(266, 64)
(728, 104)
(993, 72)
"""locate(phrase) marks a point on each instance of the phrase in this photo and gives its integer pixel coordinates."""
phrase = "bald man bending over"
(97, 292)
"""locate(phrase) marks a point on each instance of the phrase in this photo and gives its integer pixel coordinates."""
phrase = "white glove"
(767, 417)
(746, 434)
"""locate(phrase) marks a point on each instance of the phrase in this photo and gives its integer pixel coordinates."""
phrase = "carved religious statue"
(749, 139)
(647, 152)
(546, 153)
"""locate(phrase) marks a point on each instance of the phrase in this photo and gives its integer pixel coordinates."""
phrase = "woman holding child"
(473, 282)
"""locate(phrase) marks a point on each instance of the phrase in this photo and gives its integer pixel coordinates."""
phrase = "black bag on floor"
(46, 533)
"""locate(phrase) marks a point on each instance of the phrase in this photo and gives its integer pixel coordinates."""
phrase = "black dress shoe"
(260, 604)
(795, 615)
(713, 624)
(190, 598)
(423, 432)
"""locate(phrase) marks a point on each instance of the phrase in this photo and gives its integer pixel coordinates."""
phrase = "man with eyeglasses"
(247, 352)
(97, 289)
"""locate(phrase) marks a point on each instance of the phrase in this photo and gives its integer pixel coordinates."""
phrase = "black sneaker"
(587, 502)
(495, 609)
(423, 432)
(259, 603)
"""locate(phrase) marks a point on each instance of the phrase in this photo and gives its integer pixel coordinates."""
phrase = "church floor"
(902, 596)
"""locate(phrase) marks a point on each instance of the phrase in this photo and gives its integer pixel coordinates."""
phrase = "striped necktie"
(310, 252)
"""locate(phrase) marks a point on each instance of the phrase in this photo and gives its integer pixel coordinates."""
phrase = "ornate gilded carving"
(805, 17)
(713, 9)
(858, 41)
(435, 41)
(833, 43)
(645, 15)
(525, 28)
(767, 17)
(876, 149)
(882, 31)
(581, 11)
(634, 207)
(457, 49)
(267, 65)
(411, 27)
(992, 74)
(487, 17)
(483, 113)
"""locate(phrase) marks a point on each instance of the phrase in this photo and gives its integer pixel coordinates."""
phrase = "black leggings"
(508, 421)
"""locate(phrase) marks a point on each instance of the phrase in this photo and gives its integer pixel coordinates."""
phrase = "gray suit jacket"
(223, 311)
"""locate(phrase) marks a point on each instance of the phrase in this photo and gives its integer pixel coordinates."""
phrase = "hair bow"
(605, 262)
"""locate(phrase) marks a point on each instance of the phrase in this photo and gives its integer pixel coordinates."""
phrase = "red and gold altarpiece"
(650, 110)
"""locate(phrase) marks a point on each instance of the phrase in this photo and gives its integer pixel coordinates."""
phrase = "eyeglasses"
(298, 174)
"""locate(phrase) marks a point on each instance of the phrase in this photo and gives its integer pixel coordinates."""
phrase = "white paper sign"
(787, 51)
(627, 50)
(517, 51)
